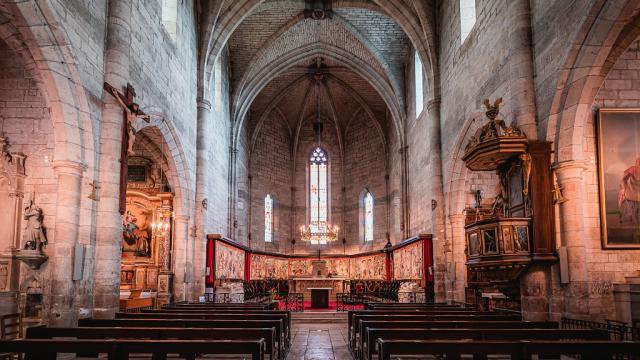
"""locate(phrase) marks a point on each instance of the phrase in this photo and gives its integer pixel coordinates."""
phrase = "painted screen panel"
(229, 262)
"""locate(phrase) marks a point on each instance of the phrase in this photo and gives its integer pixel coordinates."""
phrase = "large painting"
(229, 262)
(368, 267)
(619, 170)
(137, 240)
(408, 262)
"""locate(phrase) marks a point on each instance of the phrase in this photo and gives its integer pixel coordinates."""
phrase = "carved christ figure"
(629, 195)
(133, 112)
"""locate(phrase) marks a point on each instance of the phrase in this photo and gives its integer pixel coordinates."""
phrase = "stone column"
(457, 263)
(437, 195)
(569, 174)
(62, 310)
(181, 264)
(109, 220)
(205, 120)
(406, 205)
(522, 90)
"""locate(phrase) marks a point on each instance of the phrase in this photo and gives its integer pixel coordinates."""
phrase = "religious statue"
(133, 112)
(500, 203)
(629, 195)
(34, 238)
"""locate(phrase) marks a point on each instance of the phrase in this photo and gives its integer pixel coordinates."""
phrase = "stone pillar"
(62, 310)
(522, 89)
(203, 158)
(569, 174)
(181, 264)
(406, 206)
(437, 195)
(457, 263)
(109, 220)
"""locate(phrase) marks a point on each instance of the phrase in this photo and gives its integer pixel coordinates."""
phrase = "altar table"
(319, 297)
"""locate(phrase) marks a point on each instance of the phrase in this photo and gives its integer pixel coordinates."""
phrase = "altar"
(304, 284)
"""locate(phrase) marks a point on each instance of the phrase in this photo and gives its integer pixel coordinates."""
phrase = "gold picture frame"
(618, 146)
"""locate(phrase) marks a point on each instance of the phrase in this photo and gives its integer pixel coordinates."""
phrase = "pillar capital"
(68, 167)
(433, 104)
(203, 104)
(182, 218)
(567, 171)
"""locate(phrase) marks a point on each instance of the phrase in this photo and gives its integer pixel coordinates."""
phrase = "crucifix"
(131, 113)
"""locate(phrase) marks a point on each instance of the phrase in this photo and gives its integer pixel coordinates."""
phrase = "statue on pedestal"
(33, 236)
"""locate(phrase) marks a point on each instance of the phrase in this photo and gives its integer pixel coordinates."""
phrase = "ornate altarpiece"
(147, 232)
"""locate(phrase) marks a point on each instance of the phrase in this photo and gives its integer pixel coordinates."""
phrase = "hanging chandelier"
(319, 233)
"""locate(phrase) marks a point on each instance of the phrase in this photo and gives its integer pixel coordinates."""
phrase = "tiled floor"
(319, 342)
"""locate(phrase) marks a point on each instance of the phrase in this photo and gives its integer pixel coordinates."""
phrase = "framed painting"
(618, 137)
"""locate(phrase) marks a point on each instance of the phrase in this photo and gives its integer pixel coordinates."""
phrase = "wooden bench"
(374, 305)
(356, 329)
(373, 334)
(516, 350)
(118, 349)
(354, 343)
(351, 314)
(282, 340)
(268, 334)
(223, 311)
(205, 315)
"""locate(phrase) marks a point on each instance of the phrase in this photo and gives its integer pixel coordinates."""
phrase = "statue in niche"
(33, 237)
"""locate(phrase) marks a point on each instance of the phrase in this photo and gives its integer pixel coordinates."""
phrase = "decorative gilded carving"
(494, 143)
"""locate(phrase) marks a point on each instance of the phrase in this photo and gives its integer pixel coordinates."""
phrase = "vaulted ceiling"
(275, 48)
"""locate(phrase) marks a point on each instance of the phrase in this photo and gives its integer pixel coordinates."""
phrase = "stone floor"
(324, 341)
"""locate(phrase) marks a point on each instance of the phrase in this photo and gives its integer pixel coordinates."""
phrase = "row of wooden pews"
(386, 330)
(189, 330)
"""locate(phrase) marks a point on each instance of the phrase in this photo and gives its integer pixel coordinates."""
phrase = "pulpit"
(319, 297)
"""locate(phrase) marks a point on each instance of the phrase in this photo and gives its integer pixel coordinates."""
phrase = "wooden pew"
(222, 305)
(357, 319)
(354, 342)
(283, 341)
(268, 334)
(118, 349)
(351, 314)
(368, 348)
(518, 350)
(285, 317)
(374, 305)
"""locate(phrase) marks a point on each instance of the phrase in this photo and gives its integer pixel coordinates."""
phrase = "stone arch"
(363, 69)
(456, 179)
(578, 88)
(175, 161)
(270, 46)
(419, 28)
(44, 45)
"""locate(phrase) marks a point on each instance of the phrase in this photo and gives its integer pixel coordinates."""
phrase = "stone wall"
(607, 267)
(271, 175)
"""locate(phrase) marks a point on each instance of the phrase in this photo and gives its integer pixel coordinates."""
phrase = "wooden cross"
(131, 113)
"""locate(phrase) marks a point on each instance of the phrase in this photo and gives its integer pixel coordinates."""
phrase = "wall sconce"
(205, 204)
(434, 204)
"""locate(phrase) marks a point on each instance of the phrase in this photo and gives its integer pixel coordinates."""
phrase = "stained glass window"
(268, 219)
(368, 217)
(418, 84)
(318, 190)
(467, 18)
